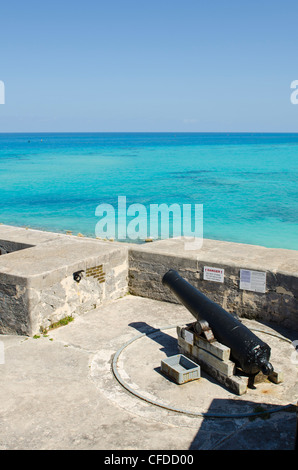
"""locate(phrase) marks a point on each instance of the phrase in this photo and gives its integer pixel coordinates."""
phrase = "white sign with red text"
(214, 274)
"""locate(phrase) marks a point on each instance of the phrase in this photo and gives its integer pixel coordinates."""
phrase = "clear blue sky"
(159, 65)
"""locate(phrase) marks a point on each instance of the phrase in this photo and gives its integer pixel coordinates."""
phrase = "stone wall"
(279, 303)
(53, 276)
(14, 308)
(68, 297)
(58, 278)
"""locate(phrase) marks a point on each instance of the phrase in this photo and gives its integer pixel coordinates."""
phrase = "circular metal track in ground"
(156, 403)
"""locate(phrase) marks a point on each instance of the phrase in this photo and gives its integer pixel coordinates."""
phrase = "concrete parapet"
(39, 285)
(278, 303)
(60, 276)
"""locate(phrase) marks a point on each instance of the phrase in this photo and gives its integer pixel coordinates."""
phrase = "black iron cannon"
(249, 352)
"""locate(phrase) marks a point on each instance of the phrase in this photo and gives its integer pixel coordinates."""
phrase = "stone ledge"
(51, 261)
(230, 254)
(148, 264)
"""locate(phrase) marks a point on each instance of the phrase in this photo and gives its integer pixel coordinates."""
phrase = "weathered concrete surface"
(19, 238)
(148, 263)
(61, 394)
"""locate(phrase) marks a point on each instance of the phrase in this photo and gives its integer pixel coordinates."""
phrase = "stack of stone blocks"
(214, 358)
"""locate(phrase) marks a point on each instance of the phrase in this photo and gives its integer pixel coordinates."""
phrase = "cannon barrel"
(248, 351)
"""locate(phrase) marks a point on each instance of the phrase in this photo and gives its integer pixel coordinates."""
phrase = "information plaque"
(254, 281)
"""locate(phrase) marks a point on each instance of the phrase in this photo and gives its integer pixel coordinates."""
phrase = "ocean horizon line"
(155, 132)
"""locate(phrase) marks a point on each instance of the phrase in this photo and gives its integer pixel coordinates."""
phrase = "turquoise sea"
(247, 183)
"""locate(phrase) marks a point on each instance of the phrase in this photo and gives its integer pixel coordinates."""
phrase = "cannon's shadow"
(169, 346)
(168, 343)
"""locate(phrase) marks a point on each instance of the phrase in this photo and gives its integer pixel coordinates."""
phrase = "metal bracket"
(202, 328)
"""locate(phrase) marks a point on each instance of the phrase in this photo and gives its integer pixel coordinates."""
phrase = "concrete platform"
(60, 392)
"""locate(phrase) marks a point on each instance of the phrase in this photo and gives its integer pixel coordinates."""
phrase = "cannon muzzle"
(249, 352)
